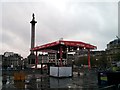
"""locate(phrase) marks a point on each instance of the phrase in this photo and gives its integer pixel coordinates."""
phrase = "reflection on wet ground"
(87, 80)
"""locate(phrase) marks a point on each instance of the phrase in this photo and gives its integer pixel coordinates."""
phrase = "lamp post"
(72, 66)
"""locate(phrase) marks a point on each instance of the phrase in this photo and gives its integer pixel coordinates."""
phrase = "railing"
(111, 87)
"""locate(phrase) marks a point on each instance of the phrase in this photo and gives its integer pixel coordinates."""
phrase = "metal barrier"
(111, 87)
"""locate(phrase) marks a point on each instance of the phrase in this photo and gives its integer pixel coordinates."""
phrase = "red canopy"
(70, 44)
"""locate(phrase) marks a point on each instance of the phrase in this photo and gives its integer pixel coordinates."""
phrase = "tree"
(103, 61)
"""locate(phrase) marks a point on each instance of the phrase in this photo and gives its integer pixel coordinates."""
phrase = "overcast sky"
(91, 22)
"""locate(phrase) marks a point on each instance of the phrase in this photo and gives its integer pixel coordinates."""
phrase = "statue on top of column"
(33, 16)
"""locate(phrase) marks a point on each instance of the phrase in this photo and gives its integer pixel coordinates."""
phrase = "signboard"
(61, 71)
(54, 71)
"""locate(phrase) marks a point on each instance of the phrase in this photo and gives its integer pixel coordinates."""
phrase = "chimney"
(33, 22)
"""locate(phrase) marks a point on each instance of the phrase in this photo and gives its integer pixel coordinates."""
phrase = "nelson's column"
(31, 57)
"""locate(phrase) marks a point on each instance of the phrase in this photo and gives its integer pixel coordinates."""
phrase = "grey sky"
(91, 22)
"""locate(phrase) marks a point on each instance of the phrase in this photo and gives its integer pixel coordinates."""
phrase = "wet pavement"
(87, 80)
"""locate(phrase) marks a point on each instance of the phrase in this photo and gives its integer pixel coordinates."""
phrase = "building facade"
(12, 60)
(70, 59)
(51, 58)
(42, 58)
(113, 50)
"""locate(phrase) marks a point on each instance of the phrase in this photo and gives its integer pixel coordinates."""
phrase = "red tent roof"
(70, 44)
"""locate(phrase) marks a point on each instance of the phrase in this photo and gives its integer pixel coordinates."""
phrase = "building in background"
(42, 58)
(52, 58)
(113, 51)
(70, 59)
(97, 58)
(11, 60)
(103, 58)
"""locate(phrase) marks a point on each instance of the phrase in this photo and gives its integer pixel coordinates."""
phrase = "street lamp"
(72, 62)
(97, 62)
